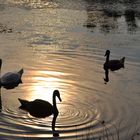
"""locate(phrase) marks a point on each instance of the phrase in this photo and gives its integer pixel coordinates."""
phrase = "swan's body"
(113, 64)
(37, 108)
(11, 78)
(40, 108)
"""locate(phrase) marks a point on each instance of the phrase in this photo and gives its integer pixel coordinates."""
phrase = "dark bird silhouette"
(106, 79)
(113, 65)
(41, 109)
(10, 79)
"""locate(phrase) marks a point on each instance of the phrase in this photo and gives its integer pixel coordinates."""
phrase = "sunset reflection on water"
(43, 83)
(61, 45)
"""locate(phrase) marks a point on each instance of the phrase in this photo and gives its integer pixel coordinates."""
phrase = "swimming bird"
(10, 79)
(41, 109)
(113, 65)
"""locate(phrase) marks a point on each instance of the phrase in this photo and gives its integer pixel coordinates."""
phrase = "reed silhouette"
(41, 109)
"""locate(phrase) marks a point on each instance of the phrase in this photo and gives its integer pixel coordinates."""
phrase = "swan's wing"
(40, 108)
(10, 78)
(41, 103)
(111, 64)
(115, 65)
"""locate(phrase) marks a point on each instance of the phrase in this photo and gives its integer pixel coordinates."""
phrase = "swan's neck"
(107, 57)
(54, 102)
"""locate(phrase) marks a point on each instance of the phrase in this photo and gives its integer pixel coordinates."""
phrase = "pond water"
(61, 45)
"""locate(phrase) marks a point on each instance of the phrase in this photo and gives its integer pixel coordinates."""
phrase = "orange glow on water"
(43, 84)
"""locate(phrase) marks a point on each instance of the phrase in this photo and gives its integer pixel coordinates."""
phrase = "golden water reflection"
(43, 83)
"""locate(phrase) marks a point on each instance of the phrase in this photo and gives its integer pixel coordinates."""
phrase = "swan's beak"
(105, 54)
(59, 98)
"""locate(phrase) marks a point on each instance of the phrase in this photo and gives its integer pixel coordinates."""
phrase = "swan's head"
(57, 93)
(107, 52)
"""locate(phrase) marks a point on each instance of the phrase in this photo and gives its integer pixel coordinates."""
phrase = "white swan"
(10, 79)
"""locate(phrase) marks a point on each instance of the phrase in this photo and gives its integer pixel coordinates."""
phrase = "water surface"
(61, 45)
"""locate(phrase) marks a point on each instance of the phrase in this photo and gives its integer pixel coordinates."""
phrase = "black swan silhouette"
(41, 109)
(113, 65)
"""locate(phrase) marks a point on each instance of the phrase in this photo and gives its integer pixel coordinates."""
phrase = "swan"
(11, 79)
(113, 64)
(41, 109)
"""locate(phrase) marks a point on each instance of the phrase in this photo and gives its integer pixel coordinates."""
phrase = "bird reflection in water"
(8, 87)
(106, 79)
(112, 65)
(41, 109)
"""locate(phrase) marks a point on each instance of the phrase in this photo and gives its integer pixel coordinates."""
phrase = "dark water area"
(61, 44)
